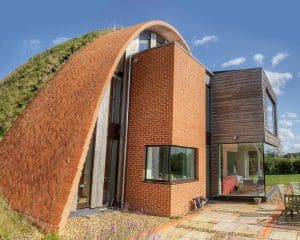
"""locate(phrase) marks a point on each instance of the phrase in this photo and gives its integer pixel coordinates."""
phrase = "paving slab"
(195, 235)
(238, 238)
(198, 225)
(226, 226)
(174, 232)
(283, 235)
(248, 229)
(261, 220)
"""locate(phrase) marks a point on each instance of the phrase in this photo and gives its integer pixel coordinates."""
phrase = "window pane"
(144, 40)
(271, 166)
(182, 163)
(270, 114)
(190, 163)
(157, 163)
(242, 172)
(144, 45)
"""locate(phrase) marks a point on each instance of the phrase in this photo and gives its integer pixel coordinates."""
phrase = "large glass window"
(242, 170)
(270, 114)
(271, 156)
(170, 163)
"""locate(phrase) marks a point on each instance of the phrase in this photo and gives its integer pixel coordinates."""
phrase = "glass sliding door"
(242, 170)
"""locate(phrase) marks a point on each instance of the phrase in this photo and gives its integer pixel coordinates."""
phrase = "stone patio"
(239, 221)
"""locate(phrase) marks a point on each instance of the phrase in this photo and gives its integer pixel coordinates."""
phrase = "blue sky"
(222, 35)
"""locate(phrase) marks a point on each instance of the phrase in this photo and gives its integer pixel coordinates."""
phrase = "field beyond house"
(285, 179)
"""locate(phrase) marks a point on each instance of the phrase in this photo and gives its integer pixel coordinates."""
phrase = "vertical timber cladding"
(167, 107)
(237, 110)
(99, 154)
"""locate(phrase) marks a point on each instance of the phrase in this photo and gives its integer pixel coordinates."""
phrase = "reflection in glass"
(157, 163)
(270, 114)
(84, 188)
(242, 171)
(144, 40)
(271, 165)
(169, 163)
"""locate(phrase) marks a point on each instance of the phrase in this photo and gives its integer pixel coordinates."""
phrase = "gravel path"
(109, 225)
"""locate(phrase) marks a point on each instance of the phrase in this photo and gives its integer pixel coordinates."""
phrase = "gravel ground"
(109, 225)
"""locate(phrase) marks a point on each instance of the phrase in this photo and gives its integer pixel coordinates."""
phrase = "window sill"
(174, 182)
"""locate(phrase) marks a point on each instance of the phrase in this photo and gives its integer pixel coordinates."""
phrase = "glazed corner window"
(270, 114)
(144, 40)
(170, 163)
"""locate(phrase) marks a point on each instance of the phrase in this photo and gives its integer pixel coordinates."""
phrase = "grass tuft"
(13, 225)
(19, 87)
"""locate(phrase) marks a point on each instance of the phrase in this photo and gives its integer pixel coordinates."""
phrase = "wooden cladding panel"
(237, 106)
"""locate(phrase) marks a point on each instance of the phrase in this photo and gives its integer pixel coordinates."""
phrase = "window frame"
(169, 181)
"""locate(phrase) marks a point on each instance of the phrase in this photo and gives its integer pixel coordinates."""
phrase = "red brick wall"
(42, 155)
(150, 123)
(189, 125)
(167, 107)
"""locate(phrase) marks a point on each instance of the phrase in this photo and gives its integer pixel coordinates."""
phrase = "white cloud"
(59, 40)
(258, 58)
(289, 119)
(278, 58)
(286, 133)
(290, 115)
(297, 146)
(288, 122)
(234, 62)
(278, 80)
(205, 40)
(290, 142)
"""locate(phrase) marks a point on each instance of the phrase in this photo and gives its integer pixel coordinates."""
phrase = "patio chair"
(296, 192)
(295, 188)
(287, 199)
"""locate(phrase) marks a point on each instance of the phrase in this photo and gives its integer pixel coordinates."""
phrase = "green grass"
(18, 88)
(14, 226)
(282, 179)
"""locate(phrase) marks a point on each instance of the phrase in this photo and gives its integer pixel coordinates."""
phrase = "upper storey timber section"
(244, 107)
(43, 153)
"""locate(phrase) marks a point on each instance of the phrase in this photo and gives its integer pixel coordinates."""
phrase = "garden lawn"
(282, 179)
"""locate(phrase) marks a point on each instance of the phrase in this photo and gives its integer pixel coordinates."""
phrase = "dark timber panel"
(238, 108)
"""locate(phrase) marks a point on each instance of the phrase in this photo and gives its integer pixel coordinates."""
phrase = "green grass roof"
(19, 87)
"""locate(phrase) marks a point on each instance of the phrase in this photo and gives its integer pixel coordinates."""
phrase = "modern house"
(134, 120)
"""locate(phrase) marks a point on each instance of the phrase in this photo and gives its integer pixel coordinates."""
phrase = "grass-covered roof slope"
(19, 87)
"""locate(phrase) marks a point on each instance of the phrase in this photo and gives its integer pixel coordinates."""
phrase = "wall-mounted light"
(235, 137)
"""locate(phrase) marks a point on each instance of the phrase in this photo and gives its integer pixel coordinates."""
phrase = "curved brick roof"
(42, 155)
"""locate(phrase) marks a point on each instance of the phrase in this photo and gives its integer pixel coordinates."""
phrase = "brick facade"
(42, 155)
(167, 107)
